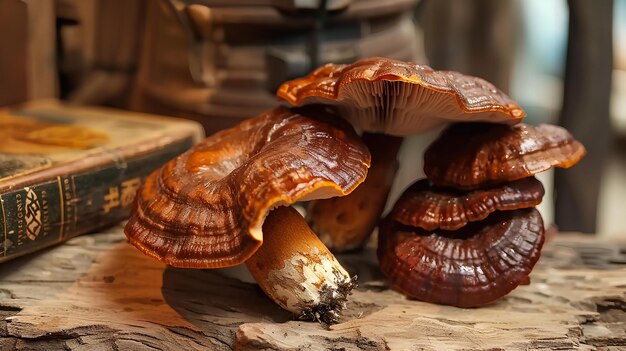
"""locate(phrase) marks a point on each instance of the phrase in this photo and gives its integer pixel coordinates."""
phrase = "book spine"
(56, 210)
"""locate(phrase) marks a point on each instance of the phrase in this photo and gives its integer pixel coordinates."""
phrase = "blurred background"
(220, 61)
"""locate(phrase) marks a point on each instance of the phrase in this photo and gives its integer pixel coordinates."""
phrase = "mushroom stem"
(297, 271)
(345, 223)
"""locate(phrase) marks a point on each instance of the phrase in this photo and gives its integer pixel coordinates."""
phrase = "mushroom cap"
(426, 206)
(469, 267)
(401, 98)
(205, 208)
(346, 223)
(474, 155)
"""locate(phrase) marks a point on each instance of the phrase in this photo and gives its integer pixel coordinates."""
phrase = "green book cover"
(66, 171)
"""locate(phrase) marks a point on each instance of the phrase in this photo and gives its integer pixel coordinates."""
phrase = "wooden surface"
(97, 292)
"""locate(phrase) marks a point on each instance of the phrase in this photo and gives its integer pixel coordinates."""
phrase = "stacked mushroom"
(477, 172)
(225, 202)
(469, 233)
(388, 99)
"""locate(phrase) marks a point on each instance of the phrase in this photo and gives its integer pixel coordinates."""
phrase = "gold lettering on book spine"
(111, 199)
(129, 189)
(75, 207)
(69, 206)
(61, 200)
(32, 214)
(4, 221)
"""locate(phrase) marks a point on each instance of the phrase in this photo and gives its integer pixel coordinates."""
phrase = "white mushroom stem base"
(297, 271)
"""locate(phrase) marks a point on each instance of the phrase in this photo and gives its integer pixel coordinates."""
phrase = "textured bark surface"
(97, 292)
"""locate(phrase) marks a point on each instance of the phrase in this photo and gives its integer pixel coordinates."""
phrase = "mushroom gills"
(296, 270)
(388, 96)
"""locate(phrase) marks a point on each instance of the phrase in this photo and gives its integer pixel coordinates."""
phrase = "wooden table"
(96, 292)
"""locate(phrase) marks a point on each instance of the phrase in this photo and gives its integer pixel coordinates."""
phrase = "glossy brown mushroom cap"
(469, 267)
(475, 155)
(401, 98)
(426, 206)
(205, 208)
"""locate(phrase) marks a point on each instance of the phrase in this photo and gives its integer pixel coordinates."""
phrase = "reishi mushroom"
(469, 234)
(390, 99)
(468, 267)
(426, 206)
(381, 95)
(222, 204)
(473, 155)
(344, 223)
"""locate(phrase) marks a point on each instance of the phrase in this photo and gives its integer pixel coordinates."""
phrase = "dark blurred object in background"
(477, 37)
(219, 61)
(585, 112)
(99, 43)
(480, 38)
(27, 51)
(219, 64)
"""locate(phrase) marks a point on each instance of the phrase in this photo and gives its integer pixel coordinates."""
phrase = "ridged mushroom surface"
(477, 155)
(469, 267)
(205, 208)
(399, 98)
(429, 207)
(345, 223)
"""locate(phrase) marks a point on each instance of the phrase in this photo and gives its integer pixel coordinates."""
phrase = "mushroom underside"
(399, 108)
(381, 95)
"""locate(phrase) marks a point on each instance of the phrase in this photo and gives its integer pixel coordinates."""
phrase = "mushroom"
(468, 234)
(469, 267)
(475, 155)
(382, 95)
(222, 204)
(429, 207)
(389, 98)
(344, 223)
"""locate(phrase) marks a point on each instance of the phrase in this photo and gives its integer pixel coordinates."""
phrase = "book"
(68, 170)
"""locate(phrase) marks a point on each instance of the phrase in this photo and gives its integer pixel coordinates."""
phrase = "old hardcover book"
(67, 170)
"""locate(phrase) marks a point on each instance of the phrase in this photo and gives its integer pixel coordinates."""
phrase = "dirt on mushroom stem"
(296, 270)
